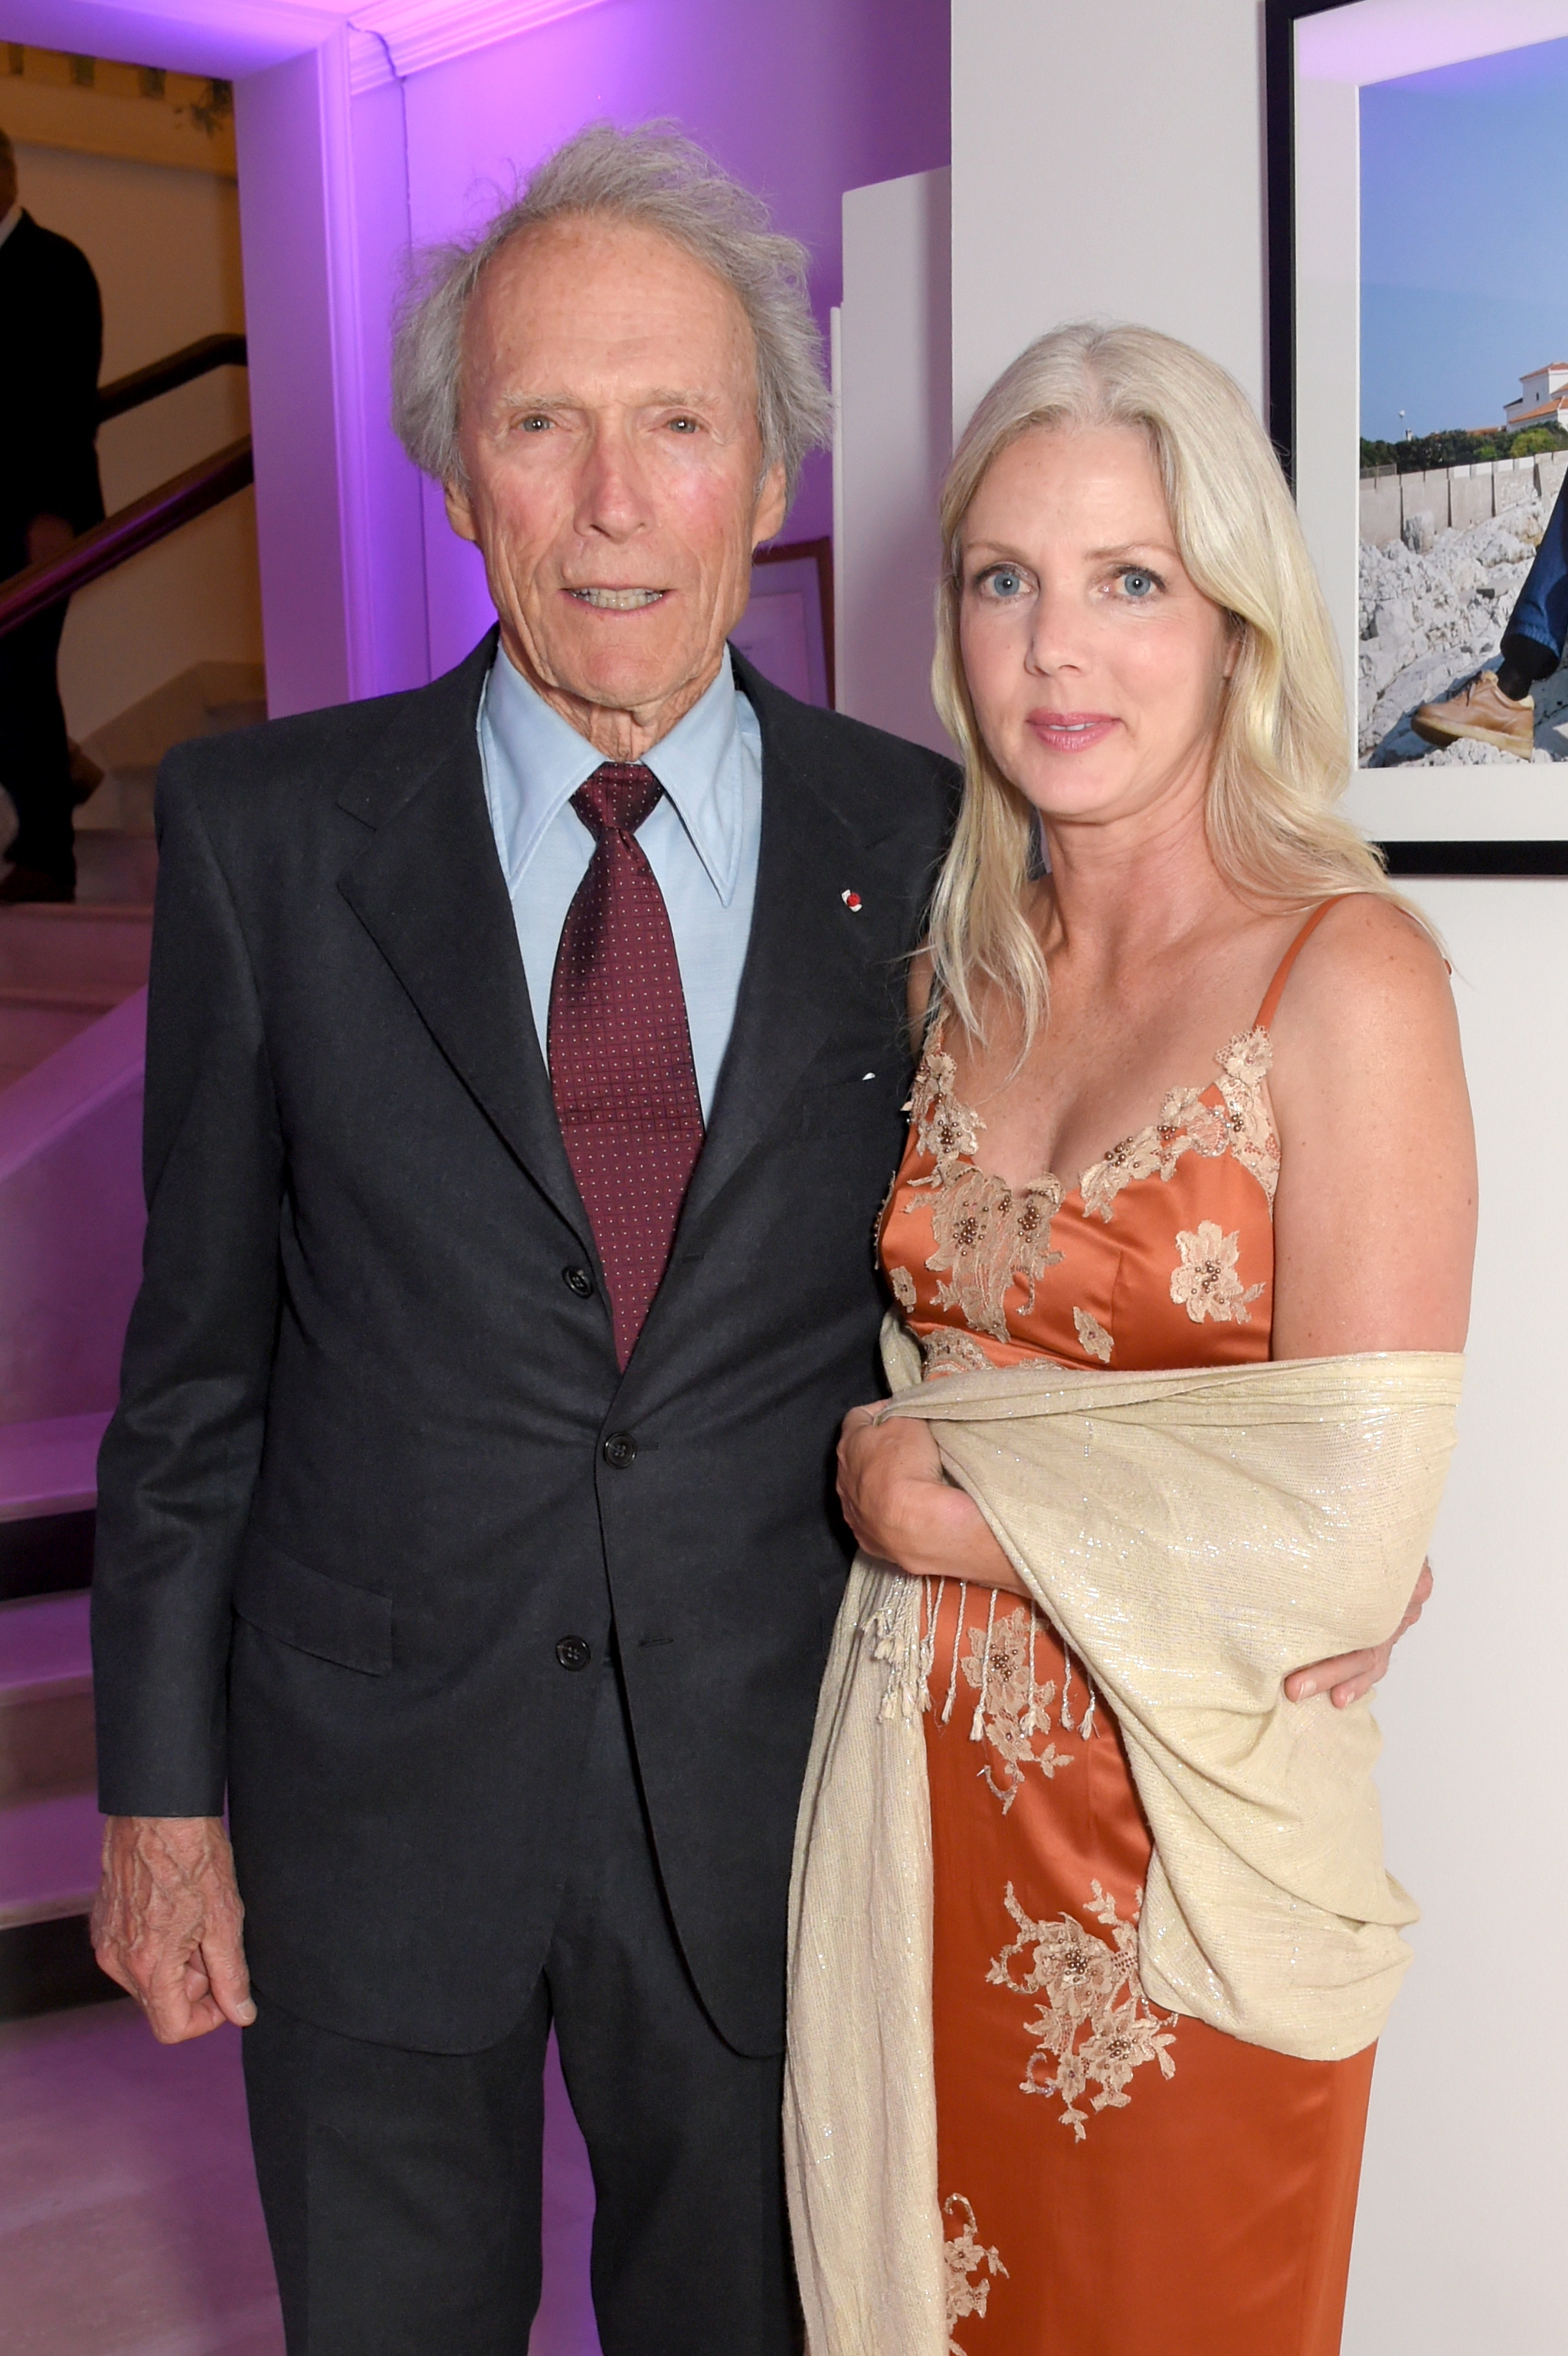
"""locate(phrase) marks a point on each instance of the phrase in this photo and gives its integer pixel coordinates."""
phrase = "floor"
(129, 2222)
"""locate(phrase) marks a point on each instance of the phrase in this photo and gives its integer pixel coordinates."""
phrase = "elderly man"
(524, 1073)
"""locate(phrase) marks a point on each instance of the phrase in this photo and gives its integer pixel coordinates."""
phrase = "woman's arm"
(1375, 1214)
(905, 1510)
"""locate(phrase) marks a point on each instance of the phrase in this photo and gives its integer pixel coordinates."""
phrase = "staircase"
(49, 1826)
(62, 968)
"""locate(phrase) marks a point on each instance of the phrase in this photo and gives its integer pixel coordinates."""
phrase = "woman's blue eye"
(1138, 582)
(1005, 582)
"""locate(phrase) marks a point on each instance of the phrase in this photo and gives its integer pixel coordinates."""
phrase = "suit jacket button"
(620, 1450)
(574, 1652)
(579, 1280)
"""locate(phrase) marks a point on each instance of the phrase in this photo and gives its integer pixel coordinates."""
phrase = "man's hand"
(48, 536)
(167, 1922)
(1352, 1675)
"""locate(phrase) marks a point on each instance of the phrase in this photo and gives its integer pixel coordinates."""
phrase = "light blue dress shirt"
(701, 840)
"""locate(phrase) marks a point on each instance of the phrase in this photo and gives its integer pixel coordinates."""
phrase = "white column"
(894, 401)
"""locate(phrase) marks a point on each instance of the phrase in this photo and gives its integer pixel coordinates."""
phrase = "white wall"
(1107, 164)
(1110, 161)
(164, 244)
(893, 377)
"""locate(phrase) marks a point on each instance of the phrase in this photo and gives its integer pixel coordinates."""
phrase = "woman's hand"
(1353, 1674)
(903, 1509)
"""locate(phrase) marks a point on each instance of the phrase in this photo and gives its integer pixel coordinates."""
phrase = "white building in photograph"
(1542, 398)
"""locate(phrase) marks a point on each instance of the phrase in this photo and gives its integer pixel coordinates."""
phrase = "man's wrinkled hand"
(1352, 1675)
(166, 1923)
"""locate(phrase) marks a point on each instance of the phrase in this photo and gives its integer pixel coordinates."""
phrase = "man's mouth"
(616, 600)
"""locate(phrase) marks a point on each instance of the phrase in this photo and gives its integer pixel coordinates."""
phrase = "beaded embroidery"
(1095, 2026)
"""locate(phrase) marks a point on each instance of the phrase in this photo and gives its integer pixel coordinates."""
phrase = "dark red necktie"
(620, 1052)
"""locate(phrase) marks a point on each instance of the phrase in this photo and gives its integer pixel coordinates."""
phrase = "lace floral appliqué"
(948, 1352)
(1013, 1707)
(903, 1292)
(1241, 1124)
(969, 2267)
(1095, 2026)
(1092, 1336)
(1205, 1281)
(989, 1237)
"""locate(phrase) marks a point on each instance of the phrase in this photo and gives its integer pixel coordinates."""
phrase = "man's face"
(609, 437)
(7, 184)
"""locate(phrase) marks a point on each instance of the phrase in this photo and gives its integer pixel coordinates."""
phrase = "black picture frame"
(1281, 18)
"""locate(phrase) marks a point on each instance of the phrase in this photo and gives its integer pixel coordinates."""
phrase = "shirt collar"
(8, 221)
(534, 761)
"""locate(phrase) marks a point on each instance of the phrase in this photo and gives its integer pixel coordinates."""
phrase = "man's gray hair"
(654, 177)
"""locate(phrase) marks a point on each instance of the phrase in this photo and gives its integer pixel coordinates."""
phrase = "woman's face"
(1095, 667)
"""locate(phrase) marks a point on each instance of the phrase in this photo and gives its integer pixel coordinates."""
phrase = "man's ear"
(772, 504)
(460, 512)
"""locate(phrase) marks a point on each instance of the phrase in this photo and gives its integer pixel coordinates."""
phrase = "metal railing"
(154, 516)
(175, 368)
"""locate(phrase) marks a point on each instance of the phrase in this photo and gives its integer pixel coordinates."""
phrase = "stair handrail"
(175, 369)
(140, 525)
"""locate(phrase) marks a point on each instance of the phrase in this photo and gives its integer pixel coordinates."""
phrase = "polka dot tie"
(620, 1052)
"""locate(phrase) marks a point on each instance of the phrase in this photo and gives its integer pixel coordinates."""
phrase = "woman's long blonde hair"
(1281, 756)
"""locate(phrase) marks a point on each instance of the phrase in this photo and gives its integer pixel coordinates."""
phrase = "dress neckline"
(1251, 1050)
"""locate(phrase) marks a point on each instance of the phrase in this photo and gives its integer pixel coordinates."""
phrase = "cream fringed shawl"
(1195, 1535)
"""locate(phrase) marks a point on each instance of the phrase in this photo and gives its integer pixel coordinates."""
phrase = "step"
(77, 946)
(48, 1857)
(50, 1469)
(45, 1699)
(30, 1034)
(117, 865)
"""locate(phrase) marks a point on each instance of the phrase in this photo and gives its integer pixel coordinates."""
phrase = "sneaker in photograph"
(1482, 712)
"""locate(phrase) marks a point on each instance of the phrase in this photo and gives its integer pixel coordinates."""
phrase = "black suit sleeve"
(180, 1460)
(57, 327)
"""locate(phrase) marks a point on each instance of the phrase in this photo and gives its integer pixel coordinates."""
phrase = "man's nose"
(611, 497)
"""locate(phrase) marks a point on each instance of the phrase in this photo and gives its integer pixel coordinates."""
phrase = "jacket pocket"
(350, 1625)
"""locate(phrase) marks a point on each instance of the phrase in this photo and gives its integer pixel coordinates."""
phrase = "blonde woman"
(1191, 1096)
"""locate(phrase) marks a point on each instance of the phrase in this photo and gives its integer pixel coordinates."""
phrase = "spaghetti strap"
(1276, 991)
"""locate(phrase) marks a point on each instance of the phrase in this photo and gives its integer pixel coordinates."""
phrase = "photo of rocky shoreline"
(1433, 604)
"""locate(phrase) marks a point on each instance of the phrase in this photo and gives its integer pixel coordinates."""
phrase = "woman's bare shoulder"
(1369, 970)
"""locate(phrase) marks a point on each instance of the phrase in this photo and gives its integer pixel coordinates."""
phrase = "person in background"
(1496, 707)
(51, 326)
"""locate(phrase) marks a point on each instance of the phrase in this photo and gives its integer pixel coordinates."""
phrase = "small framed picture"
(787, 629)
(1418, 395)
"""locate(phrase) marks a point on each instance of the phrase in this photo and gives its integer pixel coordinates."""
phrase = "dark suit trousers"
(401, 2189)
(34, 756)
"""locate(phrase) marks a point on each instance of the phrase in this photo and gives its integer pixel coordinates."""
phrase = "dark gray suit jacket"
(374, 1466)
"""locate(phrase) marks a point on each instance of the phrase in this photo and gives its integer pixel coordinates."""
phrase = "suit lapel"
(807, 950)
(429, 890)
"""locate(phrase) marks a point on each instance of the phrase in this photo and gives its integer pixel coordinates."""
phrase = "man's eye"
(683, 424)
(1138, 582)
(533, 424)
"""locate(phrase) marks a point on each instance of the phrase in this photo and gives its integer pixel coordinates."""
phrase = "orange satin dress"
(1114, 2181)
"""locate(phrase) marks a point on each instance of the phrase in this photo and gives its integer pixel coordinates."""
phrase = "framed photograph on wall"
(1418, 394)
(787, 627)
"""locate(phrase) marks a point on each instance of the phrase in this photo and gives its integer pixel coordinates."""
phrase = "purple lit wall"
(801, 98)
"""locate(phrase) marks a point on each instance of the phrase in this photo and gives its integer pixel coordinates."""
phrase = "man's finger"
(229, 1980)
(1327, 1676)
